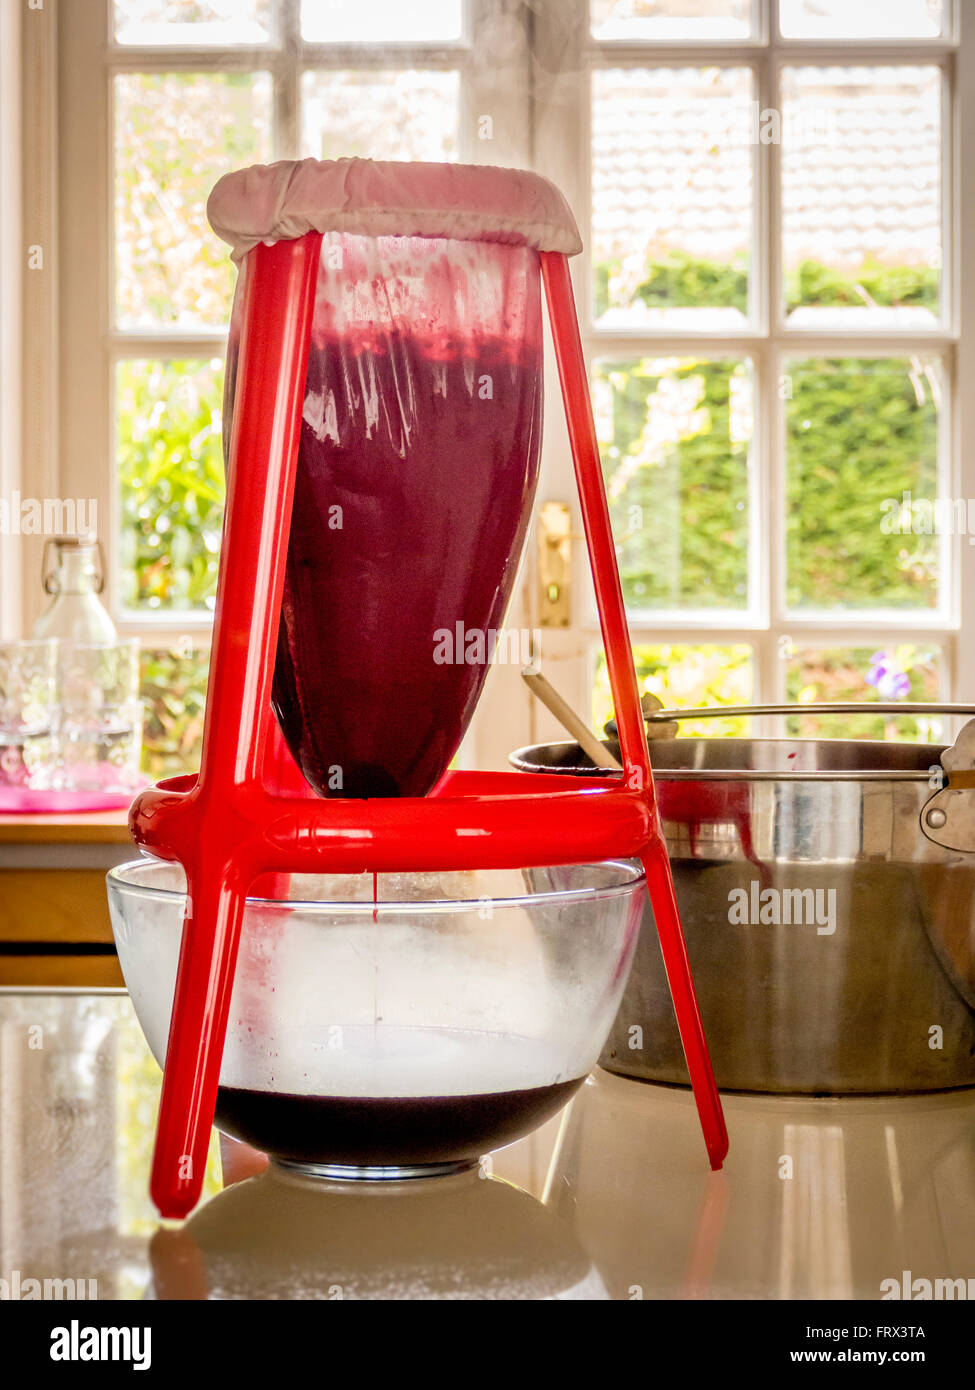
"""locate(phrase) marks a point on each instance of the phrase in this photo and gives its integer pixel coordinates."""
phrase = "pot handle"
(948, 817)
(948, 821)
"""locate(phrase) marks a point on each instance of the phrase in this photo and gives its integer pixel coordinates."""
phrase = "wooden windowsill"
(89, 827)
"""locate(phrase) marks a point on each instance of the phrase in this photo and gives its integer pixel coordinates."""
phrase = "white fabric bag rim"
(365, 197)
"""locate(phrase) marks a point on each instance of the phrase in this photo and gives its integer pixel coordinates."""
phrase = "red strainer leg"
(216, 826)
(204, 985)
(660, 884)
(622, 675)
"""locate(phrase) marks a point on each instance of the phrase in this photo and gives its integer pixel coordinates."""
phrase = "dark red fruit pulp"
(416, 476)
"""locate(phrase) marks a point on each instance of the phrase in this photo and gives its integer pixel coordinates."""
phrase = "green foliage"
(843, 674)
(169, 266)
(690, 677)
(677, 475)
(859, 432)
(601, 278)
(173, 685)
(170, 465)
(679, 282)
(815, 285)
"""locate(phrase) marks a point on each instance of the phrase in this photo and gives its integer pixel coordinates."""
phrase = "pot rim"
(522, 760)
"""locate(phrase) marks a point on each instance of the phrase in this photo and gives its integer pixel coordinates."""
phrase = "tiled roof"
(672, 155)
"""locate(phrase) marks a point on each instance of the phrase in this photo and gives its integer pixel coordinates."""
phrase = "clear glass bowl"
(409, 1034)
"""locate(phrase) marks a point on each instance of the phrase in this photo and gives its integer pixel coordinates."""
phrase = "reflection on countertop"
(467, 1236)
(820, 1198)
(78, 1097)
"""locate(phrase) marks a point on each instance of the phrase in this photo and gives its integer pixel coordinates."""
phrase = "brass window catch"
(554, 565)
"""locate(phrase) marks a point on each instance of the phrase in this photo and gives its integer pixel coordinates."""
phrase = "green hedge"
(679, 281)
(858, 432)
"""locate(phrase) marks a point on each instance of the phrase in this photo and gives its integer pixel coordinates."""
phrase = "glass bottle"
(75, 579)
(99, 717)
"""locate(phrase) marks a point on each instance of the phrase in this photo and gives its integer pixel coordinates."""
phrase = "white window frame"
(70, 345)
(12, 275)
(90, 62)
(78, 113)
(563, 151)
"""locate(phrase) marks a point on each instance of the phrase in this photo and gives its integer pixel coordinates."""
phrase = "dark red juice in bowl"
(416, 475)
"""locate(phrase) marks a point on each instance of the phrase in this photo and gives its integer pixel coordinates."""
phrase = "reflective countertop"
(819, 1198)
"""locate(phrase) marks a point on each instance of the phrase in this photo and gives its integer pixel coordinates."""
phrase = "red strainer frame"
(227, 827)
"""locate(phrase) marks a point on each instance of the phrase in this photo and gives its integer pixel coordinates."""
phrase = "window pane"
(380, 115)
(883, 673)
(862, 476)
(175, 134)
(171, 485)
(224, 22)
(173, 687)
(668, 20)
(380, 21)
(675, 435)
(861, 169)
(687, 677)
(861, 19)
(672, 153)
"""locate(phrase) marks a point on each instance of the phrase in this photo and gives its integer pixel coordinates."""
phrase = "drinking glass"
(28, 713)
(100, 715)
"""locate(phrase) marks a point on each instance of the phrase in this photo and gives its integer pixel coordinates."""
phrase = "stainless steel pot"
(827, 934)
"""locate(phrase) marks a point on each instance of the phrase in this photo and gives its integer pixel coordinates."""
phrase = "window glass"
(671, 20)
(389, 114)
(173, 22)
(672, 157)
(381, 21)
(687, 676)
(861, 194)
(884, 674)
(863, 525)
(675, 437)
(861, 19)
(170, 481)
(175, 134)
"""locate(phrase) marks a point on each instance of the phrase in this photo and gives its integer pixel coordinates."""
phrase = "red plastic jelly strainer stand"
(227, 827)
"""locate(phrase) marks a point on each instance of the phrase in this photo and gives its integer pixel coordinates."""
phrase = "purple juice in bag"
(415, 480)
